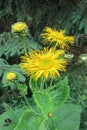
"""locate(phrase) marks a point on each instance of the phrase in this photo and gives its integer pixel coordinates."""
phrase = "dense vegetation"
(58, 14)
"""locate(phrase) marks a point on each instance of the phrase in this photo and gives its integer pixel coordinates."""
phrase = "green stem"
(42, 86)
(46, 85)
(51, 82)
(27, 103)
(50, 86)
(23, 44)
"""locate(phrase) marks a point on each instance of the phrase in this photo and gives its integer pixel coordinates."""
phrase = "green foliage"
(60, 14)
(50, 98)
(56, 94)
(60, 92)
(78, 83)
(78, 88)
(29, 121)
(22, 89)
(11, 45)
(2, 63)
(65, 117)
(5, 67)
(13, 8)
(35, 86)
(44, 102)
(11, 120)
(10, 117)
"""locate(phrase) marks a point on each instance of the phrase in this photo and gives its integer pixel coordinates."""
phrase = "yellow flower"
(19, 27)
(11, 76)
(45, 63)
(58, 37)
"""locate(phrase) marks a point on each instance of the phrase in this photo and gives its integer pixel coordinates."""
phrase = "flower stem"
(51, 82)
(46, 85)
(26, 101)
(42, 86)
(23, 44)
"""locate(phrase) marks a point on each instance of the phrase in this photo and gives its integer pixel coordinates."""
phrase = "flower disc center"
(46, 63)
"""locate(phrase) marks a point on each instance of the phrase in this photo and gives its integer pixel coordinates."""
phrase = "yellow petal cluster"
(44, 63)
(19, 27)
(11, 76)
(58, 37)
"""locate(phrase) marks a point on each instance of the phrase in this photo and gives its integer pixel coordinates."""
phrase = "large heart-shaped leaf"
(67, 117)
(30, 121)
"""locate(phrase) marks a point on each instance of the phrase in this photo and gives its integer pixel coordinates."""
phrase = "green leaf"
(67, 117)
(60, 92)
(22, 88)
(29, 121)
(11, 45)
(9, 119)
(44, 102)
(49, 101)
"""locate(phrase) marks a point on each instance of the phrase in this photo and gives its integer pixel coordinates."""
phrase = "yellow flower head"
(45, 63)
(11, 76)
(20, 27)
(58, 37)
